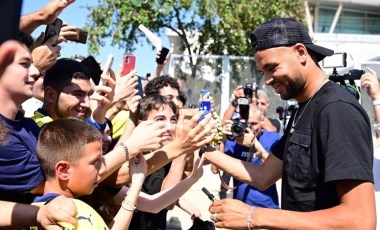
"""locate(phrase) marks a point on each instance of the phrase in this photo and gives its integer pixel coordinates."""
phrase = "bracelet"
(376, 102)
(249, 218)
(124, 146)
(128, 205)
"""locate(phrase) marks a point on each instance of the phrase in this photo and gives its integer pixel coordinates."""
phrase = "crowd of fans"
(78, 154)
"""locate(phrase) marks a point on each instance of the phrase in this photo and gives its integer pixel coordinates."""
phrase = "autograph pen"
(208, 194)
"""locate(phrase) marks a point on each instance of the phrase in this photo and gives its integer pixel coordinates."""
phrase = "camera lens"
(238, 128)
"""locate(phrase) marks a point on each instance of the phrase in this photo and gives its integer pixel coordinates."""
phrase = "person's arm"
(157, 202)
(351, 213)
(124, 216)
(60, 209)
(190, 135)
(260, 176)
(370, 82)
(146, 136)
(44, 16)
(175, 175)
(102, 98)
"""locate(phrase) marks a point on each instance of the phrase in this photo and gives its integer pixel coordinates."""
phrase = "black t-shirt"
(151, 221)
(331, 141)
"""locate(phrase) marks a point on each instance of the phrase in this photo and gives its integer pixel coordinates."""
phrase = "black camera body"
(250, 89)
(238, 127)
(240, 124)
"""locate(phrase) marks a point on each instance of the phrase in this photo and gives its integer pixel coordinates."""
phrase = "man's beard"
(293, 88)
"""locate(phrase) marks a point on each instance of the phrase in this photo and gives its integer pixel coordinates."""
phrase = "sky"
(76, 15)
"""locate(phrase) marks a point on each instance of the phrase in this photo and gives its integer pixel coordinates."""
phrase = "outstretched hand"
(192, 134)
(147, 136)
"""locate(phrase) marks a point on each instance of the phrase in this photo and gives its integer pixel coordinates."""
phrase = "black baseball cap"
(283, 32)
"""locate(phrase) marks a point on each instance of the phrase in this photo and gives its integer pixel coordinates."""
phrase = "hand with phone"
(129, 64)
(72, 33)
(52, 29)
(45, 55)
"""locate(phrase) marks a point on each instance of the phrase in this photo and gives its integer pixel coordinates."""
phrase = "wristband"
(128, 205)
(249, 218)
(126, 150)
(376, 102)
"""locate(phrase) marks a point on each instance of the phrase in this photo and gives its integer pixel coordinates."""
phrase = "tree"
(223, 27)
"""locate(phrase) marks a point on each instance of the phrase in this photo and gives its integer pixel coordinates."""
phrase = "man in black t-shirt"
(325, 155)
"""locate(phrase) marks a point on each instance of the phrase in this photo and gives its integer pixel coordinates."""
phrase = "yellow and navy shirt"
(86, 216)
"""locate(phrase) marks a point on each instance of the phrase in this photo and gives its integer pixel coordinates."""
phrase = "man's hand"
(229, 213)
(53, 9)
(67, 32)
(60, 209)
(246, 139)
(45, 55)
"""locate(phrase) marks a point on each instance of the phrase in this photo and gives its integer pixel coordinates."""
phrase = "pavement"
(178, 219)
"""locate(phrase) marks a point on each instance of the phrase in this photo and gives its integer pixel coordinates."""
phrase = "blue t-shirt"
(20, 170)
(245, 192)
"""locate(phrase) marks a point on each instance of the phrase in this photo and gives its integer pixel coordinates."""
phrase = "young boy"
(70, 152)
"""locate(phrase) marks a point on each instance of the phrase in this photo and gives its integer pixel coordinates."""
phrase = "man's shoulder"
(41, 118)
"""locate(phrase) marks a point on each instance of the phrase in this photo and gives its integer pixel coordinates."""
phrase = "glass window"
(351, 22)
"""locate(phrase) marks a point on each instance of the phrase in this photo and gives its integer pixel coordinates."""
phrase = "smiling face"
(281, 71)
(17, 80)
(74, 100)
(166, 115)
(84, 174)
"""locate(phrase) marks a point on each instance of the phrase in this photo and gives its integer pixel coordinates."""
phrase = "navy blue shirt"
(20, 170)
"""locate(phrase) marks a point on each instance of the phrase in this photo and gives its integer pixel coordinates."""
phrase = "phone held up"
(80, 36)
(52, 29)
(106, 68)
(204, 105)
(129, 64)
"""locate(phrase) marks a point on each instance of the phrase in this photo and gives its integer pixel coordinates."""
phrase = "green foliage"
(224, 25)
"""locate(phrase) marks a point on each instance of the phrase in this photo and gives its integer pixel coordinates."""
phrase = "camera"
(240, 124)
(250, 89)
(346, 80)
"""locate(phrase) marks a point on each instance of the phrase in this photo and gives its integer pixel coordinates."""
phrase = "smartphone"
(129, 62)
(139, 86)
(204, 106)
(53, 29)
(164, 52)
(80, 37)
(94, 68)
(106, 68)
(10, 16)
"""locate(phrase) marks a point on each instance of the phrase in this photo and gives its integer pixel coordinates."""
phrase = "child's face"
(165, 114)
(84, 175)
